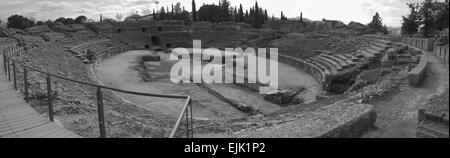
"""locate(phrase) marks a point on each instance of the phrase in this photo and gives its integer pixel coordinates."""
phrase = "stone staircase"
(335, 63)
(4, 30)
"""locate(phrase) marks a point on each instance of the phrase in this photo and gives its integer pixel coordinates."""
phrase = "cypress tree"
(194, 11)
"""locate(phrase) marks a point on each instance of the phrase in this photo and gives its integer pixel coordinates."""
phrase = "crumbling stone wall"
(418, 74)
(442, 52)
(339, 120)
(426, 44)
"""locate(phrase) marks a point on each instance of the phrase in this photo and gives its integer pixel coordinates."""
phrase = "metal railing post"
(9, 69)
(25, 83)
(101, 115)
(4, 61)
(192, 120)
(187, 123)
(14, 75)
(50, 98)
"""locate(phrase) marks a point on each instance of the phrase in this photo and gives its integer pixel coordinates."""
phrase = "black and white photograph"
(196, 70)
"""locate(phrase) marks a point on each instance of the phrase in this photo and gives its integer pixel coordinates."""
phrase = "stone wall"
(338, 120)
(426, 44)
(309, 68)
(418, 74)
(442, 53)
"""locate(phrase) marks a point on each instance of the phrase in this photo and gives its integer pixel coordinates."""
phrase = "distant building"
(133, 17)
(137, 17)
(146, 18)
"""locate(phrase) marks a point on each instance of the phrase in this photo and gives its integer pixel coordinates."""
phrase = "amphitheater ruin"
(111, 79)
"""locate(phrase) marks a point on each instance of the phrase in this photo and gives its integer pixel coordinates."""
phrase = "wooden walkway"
(20, 120)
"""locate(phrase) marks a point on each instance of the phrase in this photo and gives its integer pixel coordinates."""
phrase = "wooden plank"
(28, 131)
(24, 127)
(11, 101)
(26, 123)
(19, 120)
(55, 133)
(19, 128)
(59, 134)
(11, 114)
(22, 119)
(12, 106)
(48, 131)
(37, 132)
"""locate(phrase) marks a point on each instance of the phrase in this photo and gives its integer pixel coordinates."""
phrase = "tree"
(194, 11)
(177, 11)
(168, 14)
(225, 4)
(246, 15)
(69, 21)
(19, 22)
(411, 23)
(428, 18)
(48, 22)
(80, 19)
(185, 16)
(39, 23)
(385, 29)
(282, 16)
(60, 20)
(162, 14)
(211, 13)
(442, 17)
(377, 24)
(119, 16)
(241, 14)
(266, 16)
(257, 22)
(301, 17)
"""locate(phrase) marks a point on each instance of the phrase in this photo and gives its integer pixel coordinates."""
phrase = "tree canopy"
(19, 22)
(426, 18)
(377, 24)
(212, 13)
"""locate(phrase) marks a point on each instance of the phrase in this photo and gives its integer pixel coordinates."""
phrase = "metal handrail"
(8, 52)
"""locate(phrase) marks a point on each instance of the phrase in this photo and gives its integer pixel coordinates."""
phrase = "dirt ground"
(397, 113)
(120, 71)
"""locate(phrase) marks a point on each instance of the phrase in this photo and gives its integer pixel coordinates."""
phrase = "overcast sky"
(344, 10)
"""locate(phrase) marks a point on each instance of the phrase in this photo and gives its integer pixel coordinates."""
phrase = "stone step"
(381, 49)
(321, 67)
(385, 42)
(381, 45)
(338, 67)
(373, 51)
(347, 60)
(351, 57)
(365, 54)
(341, 63)
(329, 66)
